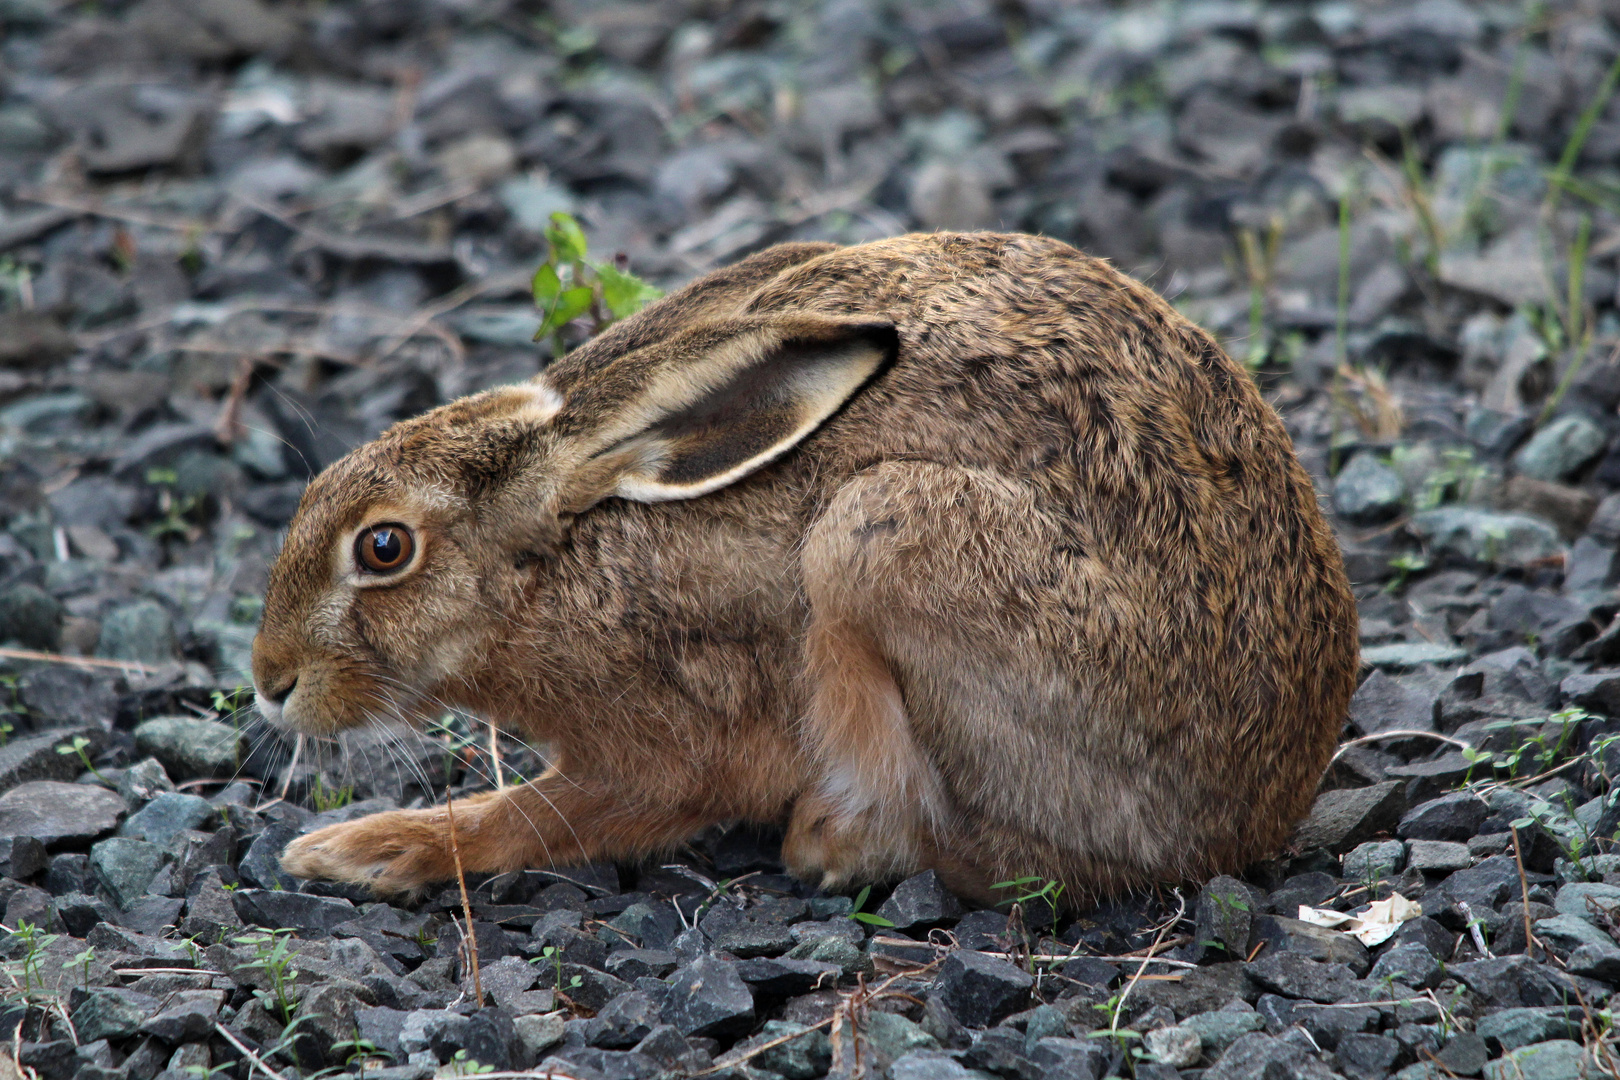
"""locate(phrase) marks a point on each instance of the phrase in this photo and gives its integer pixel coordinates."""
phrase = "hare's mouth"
(273, 706)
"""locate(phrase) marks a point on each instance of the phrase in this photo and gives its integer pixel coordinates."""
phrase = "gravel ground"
(238, 237)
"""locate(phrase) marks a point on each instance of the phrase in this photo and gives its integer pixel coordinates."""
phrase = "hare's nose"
(280, 696)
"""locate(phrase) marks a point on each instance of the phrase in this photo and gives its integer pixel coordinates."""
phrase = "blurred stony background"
(238, 237)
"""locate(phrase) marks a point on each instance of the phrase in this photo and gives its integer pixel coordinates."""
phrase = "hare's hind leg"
(916, 615)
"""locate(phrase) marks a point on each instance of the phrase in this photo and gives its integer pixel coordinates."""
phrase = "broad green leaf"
(870, 919)
(547, 285)
(566, 238)
(623, 293)
(572, 304)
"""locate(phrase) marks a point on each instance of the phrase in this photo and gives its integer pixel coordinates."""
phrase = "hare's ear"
(721, 400)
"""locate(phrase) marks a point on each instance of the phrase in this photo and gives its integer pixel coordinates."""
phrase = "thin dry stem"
(79, 661)
(1524, 891)
(1396, 733)
(466, 904)
(1181, 909)
(225, 1033)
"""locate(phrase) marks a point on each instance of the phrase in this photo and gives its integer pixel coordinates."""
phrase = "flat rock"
(1341, 819)
(52, 811)
(1560, 1059)
(35, 757)
(168, 814)
(189, 747)
(1511, 540)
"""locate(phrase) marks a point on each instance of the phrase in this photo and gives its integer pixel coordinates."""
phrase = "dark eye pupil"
(386, 547)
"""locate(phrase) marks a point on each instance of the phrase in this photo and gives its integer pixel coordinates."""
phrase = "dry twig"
(80, 661)
(466, 905)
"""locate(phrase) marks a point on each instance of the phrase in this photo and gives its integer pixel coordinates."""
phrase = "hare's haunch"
(950, 551)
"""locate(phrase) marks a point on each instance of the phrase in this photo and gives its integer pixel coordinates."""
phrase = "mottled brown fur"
(1049, 595)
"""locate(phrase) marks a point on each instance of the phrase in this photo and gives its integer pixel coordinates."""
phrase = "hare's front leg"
(551, 821)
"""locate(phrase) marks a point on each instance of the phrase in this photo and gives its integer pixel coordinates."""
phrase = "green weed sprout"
(1032, 888)
(26, 974)
(326, 798)
(274, 957)
(567, 286)
(866, 916)
(554, 955)
(82, 961)
(81, 746)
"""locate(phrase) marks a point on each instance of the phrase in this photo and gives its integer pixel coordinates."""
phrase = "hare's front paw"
(394, 852)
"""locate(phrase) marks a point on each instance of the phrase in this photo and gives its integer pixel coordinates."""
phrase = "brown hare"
(950, 551)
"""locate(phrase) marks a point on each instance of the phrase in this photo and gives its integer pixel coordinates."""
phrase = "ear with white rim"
(729, 398)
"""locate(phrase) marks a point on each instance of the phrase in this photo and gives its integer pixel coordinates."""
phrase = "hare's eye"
(383, 549)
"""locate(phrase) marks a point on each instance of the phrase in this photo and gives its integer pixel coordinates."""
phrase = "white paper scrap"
(1372, 925)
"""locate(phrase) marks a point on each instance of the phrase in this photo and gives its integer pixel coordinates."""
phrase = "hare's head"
(404, 556)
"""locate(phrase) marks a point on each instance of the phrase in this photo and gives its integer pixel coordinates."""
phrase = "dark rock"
(1000, 1051)
(1367, 491)
(80, 913)
(1596, 961)
(143, 781)
(125, 867)
(1512, 981)
(633, 964)
(1483, 888)
(921, 902)
(981, 990)
(1073, 1059)
(1561, 1059)
(1225, 911)
(21, 857)
(594, 989)
(797, 1059)
(1312, 942)
(1598, 691)
(626, 1020)
(1410, 963)
(1200, 990)
(1464, 1054)
(102, 1013)
(30, 617)
(189, 747)
(1508, 1029)
(1261, 1057)
(268, 907)
(1296, 976)
(36, 757)
(1450, 817)
(1362, 1056)
(167, 815)
(51, 1060)
(51, 811)
(1342, 819)
(1384, 702)
(185, 1016)
(775, 980)
(142, 631)
(261, 866)
(152, 914)
(67, 696)
(708, 997)
(751, 939)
